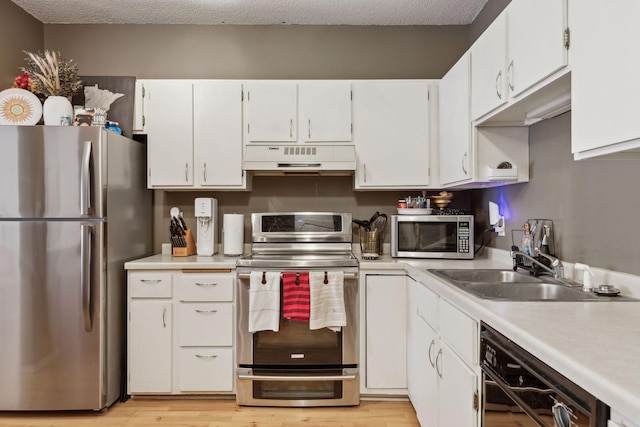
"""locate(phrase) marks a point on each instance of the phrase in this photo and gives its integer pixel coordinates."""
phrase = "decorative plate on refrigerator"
(19, 107)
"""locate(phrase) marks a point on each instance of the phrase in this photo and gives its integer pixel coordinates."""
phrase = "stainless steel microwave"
(432, 236)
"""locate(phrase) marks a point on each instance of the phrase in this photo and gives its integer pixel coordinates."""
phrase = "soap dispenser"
(588, 274)
(527, 243)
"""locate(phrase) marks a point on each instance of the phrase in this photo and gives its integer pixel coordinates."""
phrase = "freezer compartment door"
(51, 325)
(51, 172)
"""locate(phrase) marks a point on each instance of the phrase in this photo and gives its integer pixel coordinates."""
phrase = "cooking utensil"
(379, 223)
(374, 217)
(363, 223)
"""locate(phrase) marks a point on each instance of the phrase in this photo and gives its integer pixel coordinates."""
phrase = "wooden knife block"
(190, 249)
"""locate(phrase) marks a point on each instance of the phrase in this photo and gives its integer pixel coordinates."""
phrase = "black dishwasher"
(519, 390)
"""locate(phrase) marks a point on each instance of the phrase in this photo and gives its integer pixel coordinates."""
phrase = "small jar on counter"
(402, 204)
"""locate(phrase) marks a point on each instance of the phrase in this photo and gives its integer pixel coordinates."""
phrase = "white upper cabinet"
(604, 79)
(516, 64)
(535, 41)
(324, 111)
(455, 124)
(391, 133)
(272, 111)
(194, 133)
(298, 111)
(168, 124)
(470, 156)
(488, 68)
(217, 134)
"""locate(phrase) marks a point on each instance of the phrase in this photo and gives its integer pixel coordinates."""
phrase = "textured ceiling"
(255, 12)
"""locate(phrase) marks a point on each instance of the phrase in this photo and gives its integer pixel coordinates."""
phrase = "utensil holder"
(370, 242)
(188, 250)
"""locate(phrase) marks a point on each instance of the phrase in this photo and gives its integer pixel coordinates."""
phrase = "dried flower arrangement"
(51, 75)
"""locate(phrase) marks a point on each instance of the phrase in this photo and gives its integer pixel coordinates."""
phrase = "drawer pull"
(205, 356)
(206, 285)
(206, 311)
(151, 281)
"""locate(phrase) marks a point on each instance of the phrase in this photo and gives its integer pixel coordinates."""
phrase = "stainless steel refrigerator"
(73, 208)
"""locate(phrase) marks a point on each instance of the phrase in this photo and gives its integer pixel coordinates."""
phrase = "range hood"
(299, 159)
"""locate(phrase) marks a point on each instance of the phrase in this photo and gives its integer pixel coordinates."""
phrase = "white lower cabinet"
(149, 346)
(203, 369)
(442, 369)
(180, 334)
(384, 361)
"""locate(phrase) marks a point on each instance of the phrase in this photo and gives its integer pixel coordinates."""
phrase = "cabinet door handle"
(205, 356)
(499, 78)
(464, 169)
(309, 128)
(290, 128)
(206, 311)
(206, 285)
(364, 166)
(164, 318)
(204, 172)
(433, 342)
(510, 76)
(438, 370)
(186, 172)
(151, 281)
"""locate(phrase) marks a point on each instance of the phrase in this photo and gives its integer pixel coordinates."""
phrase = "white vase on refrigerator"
(57, 111)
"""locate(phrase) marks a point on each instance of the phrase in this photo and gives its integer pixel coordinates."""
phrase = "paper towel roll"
(233, 234)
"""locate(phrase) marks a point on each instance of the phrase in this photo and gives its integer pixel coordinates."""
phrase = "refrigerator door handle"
(85, 274)
(85, 179)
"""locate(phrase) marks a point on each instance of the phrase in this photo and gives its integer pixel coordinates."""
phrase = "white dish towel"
(264, 302)
(327, 301)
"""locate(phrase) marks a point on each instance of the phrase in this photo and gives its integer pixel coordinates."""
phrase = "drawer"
(459, 331)
(427, 305)
(205, 324)
(205, 287)
(205, 369)
(149, 284)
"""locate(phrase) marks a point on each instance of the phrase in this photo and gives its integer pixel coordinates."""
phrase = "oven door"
(297, 366)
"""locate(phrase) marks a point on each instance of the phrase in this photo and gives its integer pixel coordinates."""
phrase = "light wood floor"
(140, 412)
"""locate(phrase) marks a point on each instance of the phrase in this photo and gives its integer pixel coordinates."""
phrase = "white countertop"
(170, 262)
(594, 344)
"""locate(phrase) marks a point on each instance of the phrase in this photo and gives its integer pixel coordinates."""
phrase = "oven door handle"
(245, 374)
(346, 275)
(507, 390)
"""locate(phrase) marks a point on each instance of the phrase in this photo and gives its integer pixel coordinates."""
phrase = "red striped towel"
(295, 297)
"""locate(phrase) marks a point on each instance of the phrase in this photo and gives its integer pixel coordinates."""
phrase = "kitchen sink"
(508, 285)
(486, 276)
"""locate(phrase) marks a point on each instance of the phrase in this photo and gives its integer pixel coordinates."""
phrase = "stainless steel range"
(293, 364)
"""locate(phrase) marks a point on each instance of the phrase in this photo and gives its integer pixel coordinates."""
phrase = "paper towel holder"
(226, 237)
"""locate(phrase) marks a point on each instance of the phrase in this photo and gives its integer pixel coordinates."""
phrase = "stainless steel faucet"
(557, 269)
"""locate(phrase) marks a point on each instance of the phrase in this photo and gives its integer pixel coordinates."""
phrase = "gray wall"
(260, 52)
(594, 204)
(18, 31)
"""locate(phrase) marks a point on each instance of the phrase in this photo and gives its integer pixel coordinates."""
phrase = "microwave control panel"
(463, 237)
